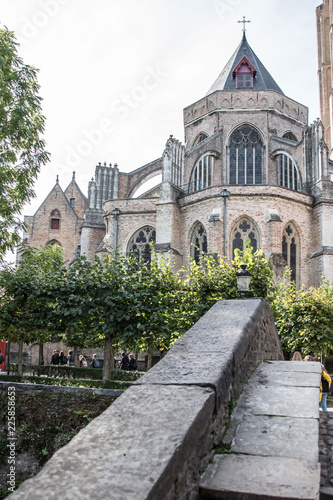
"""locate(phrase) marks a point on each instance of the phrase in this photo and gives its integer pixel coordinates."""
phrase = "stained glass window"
(141, 243)
(288, 172)
(245, 156)
(202, 174)
(290, 249)
(199, 245)
(244, 230)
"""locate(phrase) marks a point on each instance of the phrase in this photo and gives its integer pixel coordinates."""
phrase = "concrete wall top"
(157, 438)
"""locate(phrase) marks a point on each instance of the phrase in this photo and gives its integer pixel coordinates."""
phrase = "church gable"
(54, 222)
(77, 200)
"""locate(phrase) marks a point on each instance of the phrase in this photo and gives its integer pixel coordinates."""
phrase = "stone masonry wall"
(255, 203)
(68, 235)
(158, 437)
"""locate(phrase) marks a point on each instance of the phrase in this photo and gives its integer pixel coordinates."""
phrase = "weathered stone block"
(252, 477)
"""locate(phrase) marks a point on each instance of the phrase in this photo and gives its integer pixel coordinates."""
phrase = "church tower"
(252, 170)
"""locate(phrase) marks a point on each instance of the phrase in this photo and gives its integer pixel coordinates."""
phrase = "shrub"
(97, 384)
(71, 372)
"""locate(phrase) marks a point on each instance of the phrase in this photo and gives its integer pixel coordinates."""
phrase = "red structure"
(3, 350)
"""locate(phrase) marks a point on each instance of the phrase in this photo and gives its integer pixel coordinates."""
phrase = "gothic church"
(251, 169)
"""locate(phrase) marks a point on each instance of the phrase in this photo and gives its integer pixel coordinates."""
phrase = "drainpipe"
(225, 193)
(115, 212)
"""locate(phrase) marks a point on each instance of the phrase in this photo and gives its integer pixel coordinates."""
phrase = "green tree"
(74, 293)
(26, 302)
(207, 282)
(216, 279)
(304, 318)
(158, 308)
(262, 283)
(96, 304)
(22, 150)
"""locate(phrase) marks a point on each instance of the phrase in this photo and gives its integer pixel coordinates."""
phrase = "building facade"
(58, 220)
(251, 168)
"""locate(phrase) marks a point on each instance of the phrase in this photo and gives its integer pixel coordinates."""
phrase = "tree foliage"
(119, 303)
(22, 150)
(304, 318)
(26, 304)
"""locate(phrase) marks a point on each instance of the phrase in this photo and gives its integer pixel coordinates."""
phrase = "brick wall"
(68, 235)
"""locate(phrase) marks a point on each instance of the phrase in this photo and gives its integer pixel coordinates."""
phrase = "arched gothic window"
(141, 243)
(290, 249)
(199, 245)
(201, 137)
(288, 173)
(202, 174)
(245, 156)
(244, 230)
(290, 136)
(54, 242)
(55, 219)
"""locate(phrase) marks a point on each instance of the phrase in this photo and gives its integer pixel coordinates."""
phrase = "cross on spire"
(244, 21)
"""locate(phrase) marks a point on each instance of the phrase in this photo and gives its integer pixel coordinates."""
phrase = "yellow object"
(329, 380)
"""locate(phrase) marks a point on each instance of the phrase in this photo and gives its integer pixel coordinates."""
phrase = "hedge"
(71, 372)
(97, 384)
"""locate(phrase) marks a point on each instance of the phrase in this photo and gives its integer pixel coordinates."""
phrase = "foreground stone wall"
(158, 437)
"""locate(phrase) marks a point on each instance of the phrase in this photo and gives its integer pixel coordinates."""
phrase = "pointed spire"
(73, 178)
(226, 79)
(57, 179)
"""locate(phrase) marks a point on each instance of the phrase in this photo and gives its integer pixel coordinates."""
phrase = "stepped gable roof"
(226, 80)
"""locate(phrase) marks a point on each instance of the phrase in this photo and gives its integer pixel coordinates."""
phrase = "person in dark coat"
(62, 359)
(55, 358)
(124, 363)
(132, 363)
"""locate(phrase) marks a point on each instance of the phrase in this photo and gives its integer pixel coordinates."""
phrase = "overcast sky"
(116, 75)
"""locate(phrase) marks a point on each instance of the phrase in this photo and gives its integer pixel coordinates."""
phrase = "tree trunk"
(111, 358)
(8, 357)
(41, 354)
(108, 357)
(150, 358)
(76, 361)
(20, 355)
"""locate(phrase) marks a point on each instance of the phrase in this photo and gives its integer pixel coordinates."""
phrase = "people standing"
(95, 362)
(55, 358)
(124, 362)
(83, 361)
(62, 359)
(132, 363)
(71, 359)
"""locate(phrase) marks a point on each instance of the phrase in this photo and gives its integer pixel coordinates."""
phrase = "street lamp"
(243, 279)
(225, 193)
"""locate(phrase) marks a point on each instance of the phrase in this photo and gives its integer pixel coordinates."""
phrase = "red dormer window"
(244, 74)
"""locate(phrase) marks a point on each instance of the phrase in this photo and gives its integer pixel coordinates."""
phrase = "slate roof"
(262, 81)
